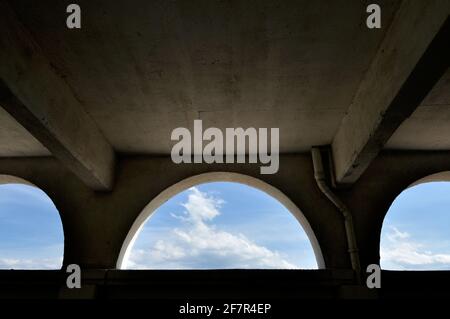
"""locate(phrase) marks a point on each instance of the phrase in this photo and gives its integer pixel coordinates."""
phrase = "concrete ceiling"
(428, 128)
(16, 141)
(142, 68)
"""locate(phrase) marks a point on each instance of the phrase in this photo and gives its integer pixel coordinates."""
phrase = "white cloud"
(200, 207)
(31, 263)
(201, 245)
(399, 251)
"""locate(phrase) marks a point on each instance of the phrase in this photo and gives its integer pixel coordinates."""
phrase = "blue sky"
(222, 225)
(226, 225)
(416, 230)
(31, 235)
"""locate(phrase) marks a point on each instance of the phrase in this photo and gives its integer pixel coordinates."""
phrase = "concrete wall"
(96, 224)
(388, 175)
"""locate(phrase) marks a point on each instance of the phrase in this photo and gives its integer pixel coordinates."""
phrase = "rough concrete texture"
(149, 66)
(36, 96)
(96, 224)
(138, 69)
(24, 143)
(399, 78)
(428, 127)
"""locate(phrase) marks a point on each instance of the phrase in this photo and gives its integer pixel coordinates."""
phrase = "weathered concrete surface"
(428, 127)
(142, 68)
(39, 99)
(136, 71)
(372, 195)
(296, 66)
(15, 140)
(400, 76)
(96, 224)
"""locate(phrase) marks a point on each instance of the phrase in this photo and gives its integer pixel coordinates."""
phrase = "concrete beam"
(411, 59)
(40, 100)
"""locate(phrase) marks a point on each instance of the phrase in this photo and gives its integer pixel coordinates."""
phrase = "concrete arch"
(437, 177)
(217, 177)
(443, 176)
(10, 179)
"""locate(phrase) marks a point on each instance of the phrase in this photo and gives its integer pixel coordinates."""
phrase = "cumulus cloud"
(399, 251)
(200, 244)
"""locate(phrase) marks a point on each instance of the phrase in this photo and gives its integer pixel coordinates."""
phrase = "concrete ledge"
(214, 284)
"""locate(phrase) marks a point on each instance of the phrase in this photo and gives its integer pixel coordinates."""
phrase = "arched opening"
(202, 208)
(31, 232)
(415, 232)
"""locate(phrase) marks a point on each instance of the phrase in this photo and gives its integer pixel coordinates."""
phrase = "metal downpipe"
(320, 178)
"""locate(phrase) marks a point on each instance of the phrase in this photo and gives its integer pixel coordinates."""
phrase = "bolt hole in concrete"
(220, 225)
(415, 233)
(31, 232)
